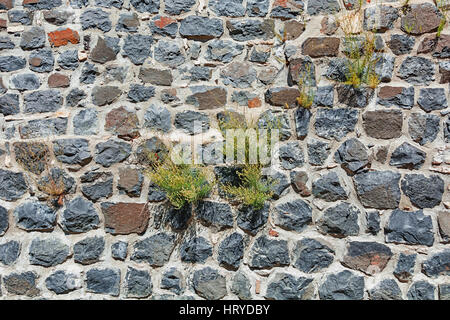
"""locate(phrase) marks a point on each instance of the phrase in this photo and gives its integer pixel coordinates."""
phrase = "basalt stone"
(396, 96)
(337, 69)
(378, 189)
(329, 188)
(79, 216)
(22, 284)
(257, 8)
(20, 16)
(95, 19)
(285, 286)
(271, 120)
(178, 219)
(57, 176)
(4, 224)
(223, 50)
(302, 118)
(12, 185)
(201, 28)
(401, 43)
(68, 59)
(280, 182)
(63, 282)
(104, 95)
(164, 26)
(368, 257)
(109, 3)
(72, 151)
(119, 250)
(128, 22)
(324, 96)
(58, 17)
(79, 3)
(35, 216)
(74, 98)
(206, 97)
(407, 156)
(438, 264)
(195, 250)
(130, 182)
(9, 104)
(102, 52)
(301, 68)
(209, 284)
(123, 122)
(151, 6)
(103, 281)
(89, 250)
(173, 280)
(227, 176)
(447, 130)
(229, 8)
(125, 218)
(373, 222)
(198, 73)
(213, 213)
(280, 96)
(33, 39)
(238, 74)
(176, 7)
(41, 4)
(97, 185)
(409, 228)
(383, 124)
(380, 18)
(444, 291)
(155, 250)
(140, 93)
(42, 101)
(287, 9)
(443, 222)
(48, 252)
(111, 152)
(85, 122)
(423, 128)
(138, 283)
(231, 251)
(316, 7)
(241, 286)
(291, 155)
(354, 97)
(421, 18)
(421, 290)
(335, 123)
(156, 76)
(9, 252)
(312, 255)
(340, 221)
(431, 99)
(344, 285)
(383, 68)
(268, 253)
(137, 48)
(6, 43)
(43, 128)
(250, 29)
(260, 54)
(192, 122)
(318, 152)
(386, 289)
(252, 220)
(404, 269)
(352, 155)
(293, 215)
(417, 70)
(422, 191)
(11, 63)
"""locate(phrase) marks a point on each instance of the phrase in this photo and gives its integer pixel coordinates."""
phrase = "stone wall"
(361, 207)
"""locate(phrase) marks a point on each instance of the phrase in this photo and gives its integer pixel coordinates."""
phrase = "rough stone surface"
(48, 252)
(103, 281)
(293, 215)
(35, 216)
(209, 284)
(344, 285)
(231, 251)
(329, 188)
(405, 267)
(421, 290)
(409, 227)
(368, 257)
(335, 123)
(423, 128)
(340, 221)
(386, 289)
(424, 192)
(138, 283)
(352, 155)
(267, 253)
(155, 250)
(438, 264)
(383, 124)
(9, 252)
(378, 189)
(311, 255)
(88, 250)
(125, 218)
(285, 286)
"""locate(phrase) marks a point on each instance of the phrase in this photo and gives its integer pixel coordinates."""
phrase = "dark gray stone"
(431, 99)
(257, 8)
(48, 252)
(34, 38)
(318, 152)
(422, 191)
(423, 128)
(137, 48)
(328, 187)
(409, 227)
(302, 118)
(223, 50)
(62, 282)
(173, 280)
(88, 73)
(289, 10)
(151, 6)
(373, 222)
(198, 73)
(40, 128)
(155, 250)
(337, 69)
(271, 120)
(111, 152)
(88, 250)
(186, 121)
(340, 221)
(85, 122)
(250, 29)
(21, 16)
(397, 97)
(352, 155)
(175, 7)
(95, 19)
(324, 96)
(407, 156)
(217, 214)
(42, 4)
(417, 70)
(97, 185)
(72, 151)
(268, 253)
(138, 283)
(4, 224)
(293, 215)
(231, 251)
(103, 281)
(128, 22)
(344, 285)
(58, 17)
(380, 18)
(11, 63)
(195, 250)
(9, 104)
(119, 250)
(158, 118)
(74, 98)
(41, 60)
(444, 291)
(335, 123)
(109, 3)
(9, 252)
(238, 74)
(316, 7)
(68, 59)
(79, 216)
(259, 55)
(227, 8)
(6, 43)
(35, 216)
(421, 290)
(438, 264)
(354, 97)
(285, 286)
(209, 284)
(201, 28)
(241, 286)
(378, 189)
(401, 43)
(312, 255)
(140, 93)
(279, 182)
(291, 155)
(42, 101)
(386, 289)
(251, 220)
(404, 269)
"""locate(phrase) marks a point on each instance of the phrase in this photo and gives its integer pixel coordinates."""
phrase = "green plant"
(444, 8)
(307, 92)
(253, 190)
(182, 183)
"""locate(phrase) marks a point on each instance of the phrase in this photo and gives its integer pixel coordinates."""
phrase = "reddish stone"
(122, 122)
(299, 183)
(273, 233)
(254, 103)
(329, 26)
(321, 47)
(210, 98)
(383, 124)
(428, 44)
(387, 92)
(63, 37)
(58, 80)
(30, 1)
(125, 218)
(35, 62)
(421, 18)
(445, 75)
(368, 257)
(293, 29)
(164, 21)
(8, 3)
(3, 23)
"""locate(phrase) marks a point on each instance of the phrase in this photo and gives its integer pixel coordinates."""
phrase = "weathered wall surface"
(361, 210)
